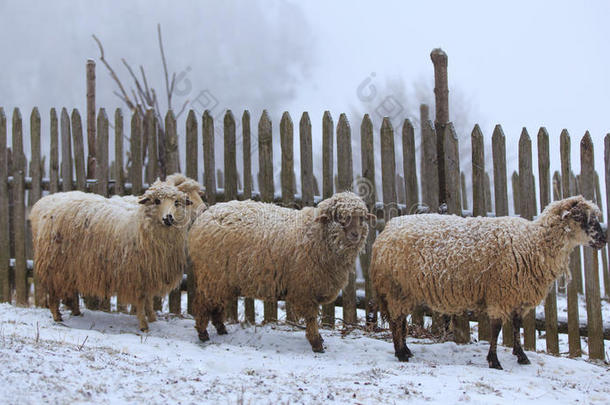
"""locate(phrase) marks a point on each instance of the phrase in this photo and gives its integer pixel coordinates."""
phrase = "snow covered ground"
(101, 358)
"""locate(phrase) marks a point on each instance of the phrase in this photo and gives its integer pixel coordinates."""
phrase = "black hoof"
(204, 337)
(144, 330)
(221, 330)
(404, 354)
(523, 360)
(492, 360)
(318, 349)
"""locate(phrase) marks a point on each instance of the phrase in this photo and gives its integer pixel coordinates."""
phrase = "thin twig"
(182, 109)
(113, 74)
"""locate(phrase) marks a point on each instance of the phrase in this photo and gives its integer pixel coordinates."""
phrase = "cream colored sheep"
(263, 251)
(499, 266)
(88, 244)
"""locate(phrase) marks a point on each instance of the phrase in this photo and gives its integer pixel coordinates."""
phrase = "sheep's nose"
(168, 220)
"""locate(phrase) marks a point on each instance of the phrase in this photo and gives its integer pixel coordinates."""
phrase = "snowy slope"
(100, 358)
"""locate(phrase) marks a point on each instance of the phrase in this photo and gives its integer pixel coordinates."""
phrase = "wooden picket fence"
(398, 197)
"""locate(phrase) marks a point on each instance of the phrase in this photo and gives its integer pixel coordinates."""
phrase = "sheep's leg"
(73, 304)
(54, 305)
(150, 312)
(399, 337)
(492, 356)
(218, 315)
(313, 335)
(517, 349)
(141, 313)
(202, 317)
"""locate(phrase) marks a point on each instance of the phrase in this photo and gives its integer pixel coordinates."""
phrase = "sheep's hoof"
(523, 360)
(404, 354)
(493, 361)
(144, 329)
(203, 336)
(221, 330)
(318, 349)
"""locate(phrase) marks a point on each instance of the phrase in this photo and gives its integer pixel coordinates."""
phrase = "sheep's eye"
(157, 201)
(177, 203)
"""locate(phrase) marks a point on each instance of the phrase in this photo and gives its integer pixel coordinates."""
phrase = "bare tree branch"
(167, 88)
(182, 109)
(113, 75)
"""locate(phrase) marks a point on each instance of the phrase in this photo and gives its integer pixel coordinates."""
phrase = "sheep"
(85, 243)
(264, 251)
(499, 266)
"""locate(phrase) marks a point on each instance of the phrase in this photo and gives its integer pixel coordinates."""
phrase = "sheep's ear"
(143, 200)
(189, 202)
(372, 218)
(322, 218)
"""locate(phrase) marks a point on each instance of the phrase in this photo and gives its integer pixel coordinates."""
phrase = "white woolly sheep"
(499, 266)
(88, 244)
(263, 251)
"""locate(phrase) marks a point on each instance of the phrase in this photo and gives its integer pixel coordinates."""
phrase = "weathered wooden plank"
(136, 153)
(91, 136)
(209, 165)
(424, 116)
(461, 326)
(544, 179)
(5, 253)
(54, 153)
(409, 166)
(19, 210)
(401, 197)
(592, 287)
(516, 192)
(35, 193)
(192, 171)
(230, 185)
(150, 134)
(345, 175)
(66, 151)
(527, 210)
(247, 159)
(79, 151)
(366, 189)
(567, 189)
(429, 175)
(220, 178)
(441, 94)
(498, 151)
(266, 185)
(328, 311)
(119, 175)
(307, 185)
(479, 207)
(488, 202)
(388, 168)
(102, 172)
(172, 162)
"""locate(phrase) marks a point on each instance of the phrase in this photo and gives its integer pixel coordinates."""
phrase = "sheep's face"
(584, 216)
(346, 218)
(166, 205)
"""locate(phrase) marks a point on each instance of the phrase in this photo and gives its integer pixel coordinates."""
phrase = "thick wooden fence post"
(307, 187)
(119, 176)
(150, 134)
(528, 211)
(516, 192)
(192, 171)
(328, 311)
(91, 141)
(5, 254)
(479, 208)
(366, 189)
(498, 150)
(345, 175)
(441, 94)
(247, 160)
(567, 188)
(230, 185)
(429, 174)
(464, 192)
(35, 192)
(424, 116)
(102, 172)
(136, 154)
(266, 185)
(19, 210)
(209, 164)
(550, 302)
(595, 324)
(461, 324)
